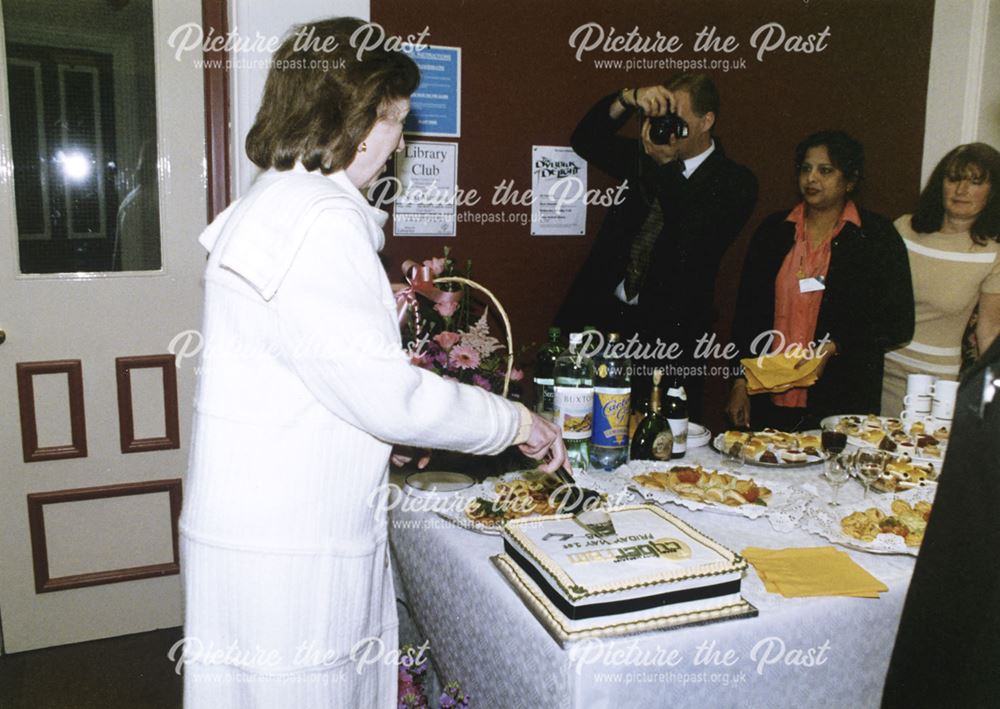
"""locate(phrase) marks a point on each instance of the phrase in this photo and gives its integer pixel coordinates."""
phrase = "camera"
(662, 127)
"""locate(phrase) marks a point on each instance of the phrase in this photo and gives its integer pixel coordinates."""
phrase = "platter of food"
(919, 440)
(772, 448)
(902, 473)
(699, 488)
(880, 526)
(512, 496)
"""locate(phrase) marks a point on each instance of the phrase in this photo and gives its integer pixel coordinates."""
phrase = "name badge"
(809, 285)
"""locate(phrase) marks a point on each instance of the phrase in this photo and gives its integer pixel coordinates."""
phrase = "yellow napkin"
(777, 373)
(812, 571)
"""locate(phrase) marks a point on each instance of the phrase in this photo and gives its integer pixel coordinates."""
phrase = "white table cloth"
(815, 652)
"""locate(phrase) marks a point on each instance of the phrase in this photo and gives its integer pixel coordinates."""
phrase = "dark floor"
(130, 672)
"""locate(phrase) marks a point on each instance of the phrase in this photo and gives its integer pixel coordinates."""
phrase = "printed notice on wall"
(436, 105)
(426, 180)
(559, 186)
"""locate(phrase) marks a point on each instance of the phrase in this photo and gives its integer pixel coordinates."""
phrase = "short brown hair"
(701, 88)
(321, 97)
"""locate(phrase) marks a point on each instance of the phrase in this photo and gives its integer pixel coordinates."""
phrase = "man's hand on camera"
(661, 154)
(654, 100)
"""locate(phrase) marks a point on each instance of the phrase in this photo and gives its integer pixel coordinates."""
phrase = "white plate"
(782, 493)
(830, 423)
(698, 435)
(824, 520)
(810, 459)
(437, 483)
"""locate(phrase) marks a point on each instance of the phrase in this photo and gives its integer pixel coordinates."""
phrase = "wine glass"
(834, 442)
(836, 472)
(869, 465)
(732, 456)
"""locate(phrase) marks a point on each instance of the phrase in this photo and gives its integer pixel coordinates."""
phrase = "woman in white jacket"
(304, 390)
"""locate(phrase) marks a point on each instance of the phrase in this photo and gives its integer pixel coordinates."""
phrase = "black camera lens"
(662, 127)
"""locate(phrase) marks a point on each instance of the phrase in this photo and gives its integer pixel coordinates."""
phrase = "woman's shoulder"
(874, 221)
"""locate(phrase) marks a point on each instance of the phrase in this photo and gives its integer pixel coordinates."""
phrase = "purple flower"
(482, 382)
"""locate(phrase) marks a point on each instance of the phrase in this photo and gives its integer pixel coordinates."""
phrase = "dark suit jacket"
(947, 650)
(703, 214)
(867, 306)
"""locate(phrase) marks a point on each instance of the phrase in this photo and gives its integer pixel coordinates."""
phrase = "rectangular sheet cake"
(656, 570)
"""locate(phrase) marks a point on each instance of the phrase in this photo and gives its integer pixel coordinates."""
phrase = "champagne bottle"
(676, 411)
(654, 439)
(544, 370)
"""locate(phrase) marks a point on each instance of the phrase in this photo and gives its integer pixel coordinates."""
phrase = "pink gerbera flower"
(464, 357)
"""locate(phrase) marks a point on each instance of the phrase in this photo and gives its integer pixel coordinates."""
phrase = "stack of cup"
(919, 399)
(943, 409)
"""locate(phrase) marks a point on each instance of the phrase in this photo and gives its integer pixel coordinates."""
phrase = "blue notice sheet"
(435, 107)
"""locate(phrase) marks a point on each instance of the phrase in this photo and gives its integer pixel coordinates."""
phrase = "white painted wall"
(270, 19)
(963, 94)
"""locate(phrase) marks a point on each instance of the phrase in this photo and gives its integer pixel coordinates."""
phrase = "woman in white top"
(953, 242)
(304, 391)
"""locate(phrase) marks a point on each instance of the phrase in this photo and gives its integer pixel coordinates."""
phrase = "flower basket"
(503, 316)
(448, 339)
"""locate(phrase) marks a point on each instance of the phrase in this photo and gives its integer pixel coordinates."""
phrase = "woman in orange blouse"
(830, 275)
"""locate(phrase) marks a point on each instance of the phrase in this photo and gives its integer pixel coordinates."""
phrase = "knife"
(595, 520)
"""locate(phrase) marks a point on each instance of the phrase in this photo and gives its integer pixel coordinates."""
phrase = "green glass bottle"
(544, 368)
(654, 439)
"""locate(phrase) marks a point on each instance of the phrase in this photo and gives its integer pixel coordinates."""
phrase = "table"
(814, 652)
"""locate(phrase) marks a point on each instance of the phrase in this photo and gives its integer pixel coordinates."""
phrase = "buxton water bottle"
(574, 401)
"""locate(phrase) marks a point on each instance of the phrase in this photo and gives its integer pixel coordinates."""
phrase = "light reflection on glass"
(76, 166)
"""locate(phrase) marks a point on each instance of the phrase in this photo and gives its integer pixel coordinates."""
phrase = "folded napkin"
(812, 571)
(777, 373)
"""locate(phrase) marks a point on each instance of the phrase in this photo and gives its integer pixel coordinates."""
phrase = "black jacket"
(703, 214)
(867, 306)
(947, 650)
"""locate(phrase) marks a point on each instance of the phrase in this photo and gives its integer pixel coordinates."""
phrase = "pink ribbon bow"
(420, 281)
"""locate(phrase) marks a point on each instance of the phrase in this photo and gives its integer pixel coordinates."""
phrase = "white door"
(102, 197)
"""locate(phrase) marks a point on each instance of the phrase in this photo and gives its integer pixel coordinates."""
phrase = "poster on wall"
(426, 180)
(558, 184)
(436, 105)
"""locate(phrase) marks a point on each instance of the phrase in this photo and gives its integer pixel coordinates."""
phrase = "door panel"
(102, 197)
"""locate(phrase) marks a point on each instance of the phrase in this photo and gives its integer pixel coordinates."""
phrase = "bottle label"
(611, 409)
(662, 448)
(574, 408)
(680, 431)
(544, 394)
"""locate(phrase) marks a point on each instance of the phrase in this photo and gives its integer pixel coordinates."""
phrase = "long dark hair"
(322, 97)
(929, 214)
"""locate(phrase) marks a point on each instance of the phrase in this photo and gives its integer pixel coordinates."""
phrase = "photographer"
(652, 268)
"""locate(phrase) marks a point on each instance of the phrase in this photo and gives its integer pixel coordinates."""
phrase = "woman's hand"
(401, 455)
(738, 405)
(545, 443)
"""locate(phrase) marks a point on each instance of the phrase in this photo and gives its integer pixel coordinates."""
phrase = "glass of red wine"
(834, 442)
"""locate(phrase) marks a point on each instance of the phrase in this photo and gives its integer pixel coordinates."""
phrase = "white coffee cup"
(919, 384)
(937, 423)
(918, 402)
(945, 393)
(910, 416)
